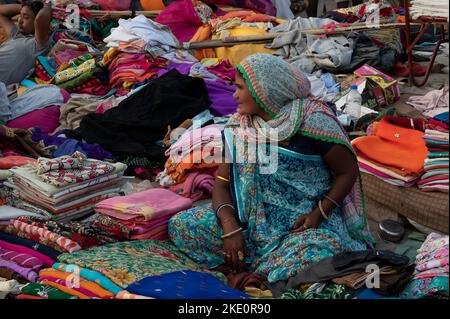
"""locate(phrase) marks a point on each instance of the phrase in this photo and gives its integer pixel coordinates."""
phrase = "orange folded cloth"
(150, 5)
(65, 289)
(84, 283)
(29, 297)
(394, 146)
(203, 33)
(11, 161)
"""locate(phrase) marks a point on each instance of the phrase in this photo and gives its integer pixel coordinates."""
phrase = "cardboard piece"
(383, 87)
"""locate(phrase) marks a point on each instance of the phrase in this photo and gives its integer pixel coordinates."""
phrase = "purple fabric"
(21, 259)
(220, 94)
(94, 151)
(183, 68)
(264, 6)
(27, 273)
(47, 261)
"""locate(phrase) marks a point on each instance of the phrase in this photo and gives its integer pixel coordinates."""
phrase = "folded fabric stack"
(344, 274)
(128, 69)
(81, 74)
(435, 177)
(64, 237)
(19, 262)
(64, 188)
(146, 214)
(193, 161)
(394, 154)
(105, 272)
(22, 259)
(144, 33)
(429, 8)
(431, 272)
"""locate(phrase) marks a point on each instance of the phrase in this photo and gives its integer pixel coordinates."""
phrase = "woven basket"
(388, 201)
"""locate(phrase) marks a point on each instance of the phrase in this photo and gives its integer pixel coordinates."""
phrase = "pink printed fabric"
(432, 258)
(65, 243)
(66, 170)
(196, 186)
(436, 263)
(149, 204)
(24, 260)
(224, 70)
(47, 261)
(195, 139)
(126, 295)
(138, 228)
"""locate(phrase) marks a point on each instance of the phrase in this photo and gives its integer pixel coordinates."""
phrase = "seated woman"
(308, 208)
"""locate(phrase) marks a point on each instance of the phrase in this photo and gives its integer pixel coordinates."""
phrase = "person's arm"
(42, 24)
(7, 12)
(235, 244)
(343, 165)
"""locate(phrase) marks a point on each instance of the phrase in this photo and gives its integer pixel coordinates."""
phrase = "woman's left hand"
(308, 221)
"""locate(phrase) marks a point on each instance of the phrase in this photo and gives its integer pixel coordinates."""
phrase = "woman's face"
(246, 103)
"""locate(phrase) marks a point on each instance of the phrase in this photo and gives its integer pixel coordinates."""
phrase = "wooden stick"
(128, 13)
(267, 38)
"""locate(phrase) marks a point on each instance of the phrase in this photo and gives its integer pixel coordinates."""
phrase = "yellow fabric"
(239, 52)
(21, 90)
(258, 293)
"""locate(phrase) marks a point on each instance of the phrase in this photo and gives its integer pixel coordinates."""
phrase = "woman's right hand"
(234, 248)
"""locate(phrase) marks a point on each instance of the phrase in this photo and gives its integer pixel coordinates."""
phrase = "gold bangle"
(10, 132)
(223, 178)
(322, 212)
(232, 233)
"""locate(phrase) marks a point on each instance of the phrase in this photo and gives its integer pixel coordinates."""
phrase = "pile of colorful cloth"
(145, 214)
(193, 161)
(106, 272)
(130, 68)
(66, 237)
(64, 188)
(431, 273)
(393, 153)
(435, 177)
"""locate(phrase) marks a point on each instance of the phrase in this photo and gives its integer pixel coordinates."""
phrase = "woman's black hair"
(35, 6)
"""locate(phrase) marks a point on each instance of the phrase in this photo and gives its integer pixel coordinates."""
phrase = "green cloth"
(5, 174)
(319, 291)
(35, 289)
(127, 262)
(409, 246)
(427, 288)
(437, 154)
